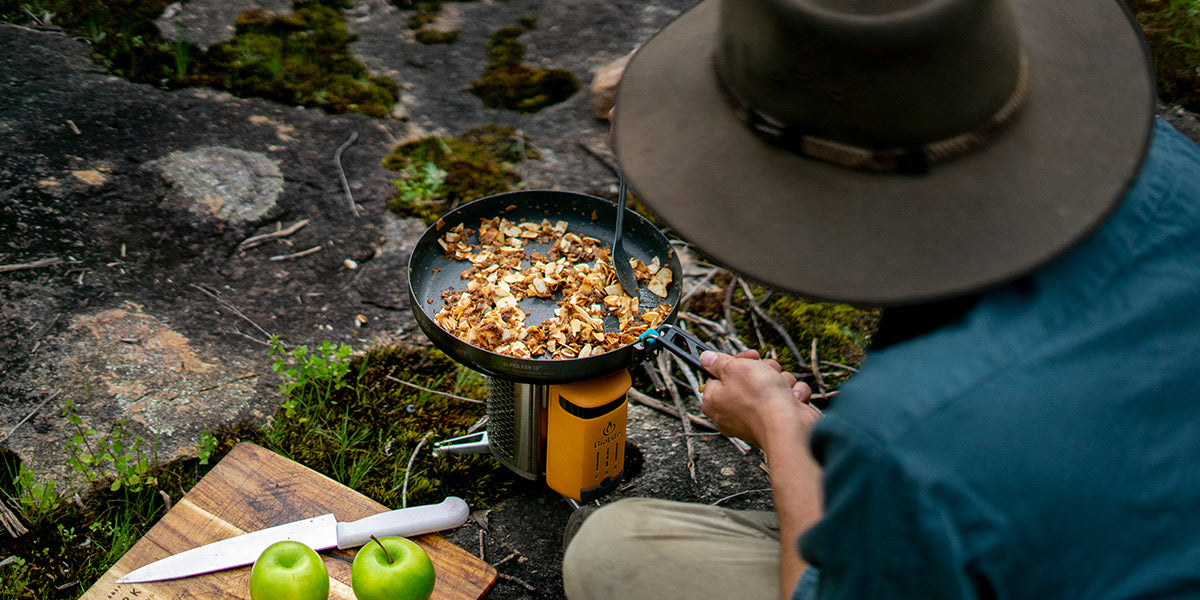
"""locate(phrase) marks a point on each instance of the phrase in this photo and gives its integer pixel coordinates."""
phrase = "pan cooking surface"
(431, 272)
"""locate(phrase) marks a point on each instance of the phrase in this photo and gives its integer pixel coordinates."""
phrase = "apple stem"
(384, 548)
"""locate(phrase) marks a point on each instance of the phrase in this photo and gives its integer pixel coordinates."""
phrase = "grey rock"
(226, 183)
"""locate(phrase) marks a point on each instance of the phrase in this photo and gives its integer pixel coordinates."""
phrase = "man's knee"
(605, 548)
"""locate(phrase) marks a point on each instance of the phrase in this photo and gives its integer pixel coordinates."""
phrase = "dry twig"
(37, 264)
(10, 522)
(233, 308)
(517, 581)
(337, 159)
(425, 389)
(408, 469)
(665, 369)
(774, 325)
(511, 555)
(742, 493)
(299, 254)
(662, 407)
(816, 371)
(258, 240)
(27, 417)
(699, 285)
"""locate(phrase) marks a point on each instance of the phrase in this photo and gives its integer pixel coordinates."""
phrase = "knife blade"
(319, 533)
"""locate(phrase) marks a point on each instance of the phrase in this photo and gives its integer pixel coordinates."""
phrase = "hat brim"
(1049, 178)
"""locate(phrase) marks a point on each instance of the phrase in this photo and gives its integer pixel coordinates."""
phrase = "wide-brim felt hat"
(886, 152)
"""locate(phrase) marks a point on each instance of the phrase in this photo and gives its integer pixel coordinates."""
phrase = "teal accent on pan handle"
(679, 342)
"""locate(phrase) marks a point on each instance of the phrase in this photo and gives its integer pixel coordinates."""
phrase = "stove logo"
(610, 434)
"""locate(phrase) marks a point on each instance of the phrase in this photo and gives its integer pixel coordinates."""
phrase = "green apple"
(289, 570)
(392, 568)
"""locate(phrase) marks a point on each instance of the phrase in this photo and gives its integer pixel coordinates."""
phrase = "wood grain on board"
(253, 488)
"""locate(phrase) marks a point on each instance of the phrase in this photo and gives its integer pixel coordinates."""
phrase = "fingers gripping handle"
(405, 522)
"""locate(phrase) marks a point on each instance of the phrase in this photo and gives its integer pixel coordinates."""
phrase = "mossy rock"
(302, 58)
(509, 84)
(430, 37)
(422, 20)
(477, 163)
(841, 331)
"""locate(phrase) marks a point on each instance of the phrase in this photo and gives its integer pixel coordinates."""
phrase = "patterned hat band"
(912, 160)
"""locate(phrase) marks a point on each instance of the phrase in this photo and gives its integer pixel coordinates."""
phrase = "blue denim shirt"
(1047, 445)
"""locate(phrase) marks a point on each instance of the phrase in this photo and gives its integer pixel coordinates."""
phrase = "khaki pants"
(655, 549)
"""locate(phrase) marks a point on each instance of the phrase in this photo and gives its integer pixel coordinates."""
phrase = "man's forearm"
(796, 484)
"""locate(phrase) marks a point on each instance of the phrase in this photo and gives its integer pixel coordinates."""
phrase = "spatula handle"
(405, 522)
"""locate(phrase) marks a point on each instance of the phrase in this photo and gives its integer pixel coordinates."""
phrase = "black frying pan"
(431, 272)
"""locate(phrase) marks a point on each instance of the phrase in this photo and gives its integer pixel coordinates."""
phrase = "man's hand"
(754, 399)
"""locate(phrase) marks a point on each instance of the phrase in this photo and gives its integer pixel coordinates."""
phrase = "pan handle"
(679, 342)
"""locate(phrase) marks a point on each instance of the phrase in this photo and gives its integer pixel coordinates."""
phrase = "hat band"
(912, 160)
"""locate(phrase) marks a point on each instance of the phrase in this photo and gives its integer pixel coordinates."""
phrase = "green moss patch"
(509, 84)
(303, 59)
(436, 174)
(298, 59)
(422, 22)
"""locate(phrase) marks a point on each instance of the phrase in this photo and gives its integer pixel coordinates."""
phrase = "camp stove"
(570, 434)
(563, 419)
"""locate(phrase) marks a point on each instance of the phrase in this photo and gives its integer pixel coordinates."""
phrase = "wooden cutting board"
(252, 488)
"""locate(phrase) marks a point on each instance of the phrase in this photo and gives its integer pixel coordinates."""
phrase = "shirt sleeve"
(806, 586)
(878, 537)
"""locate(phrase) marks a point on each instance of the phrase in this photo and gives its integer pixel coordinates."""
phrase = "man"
(994, 167)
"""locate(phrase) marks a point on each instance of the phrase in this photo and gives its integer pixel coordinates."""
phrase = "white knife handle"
(405, 522)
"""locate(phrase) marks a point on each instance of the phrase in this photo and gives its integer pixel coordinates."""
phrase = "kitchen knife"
(319, 533)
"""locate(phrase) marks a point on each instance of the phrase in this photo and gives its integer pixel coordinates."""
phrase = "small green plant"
(15, 577)
(420, 184)
(37, 500)
(120, 454)
(71, 543)
(208, 445)
(477, 163)
(299, 367)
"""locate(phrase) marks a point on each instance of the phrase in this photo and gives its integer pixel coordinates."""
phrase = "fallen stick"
(518, 581)
(258, 240)
(665, 370)
(337, 159)
(27, 417)
(408, 469)
(280, 257)
(37, 264)
(425, 389)
(815, 369)
(236, 311)
(662, 407)
(774, 325)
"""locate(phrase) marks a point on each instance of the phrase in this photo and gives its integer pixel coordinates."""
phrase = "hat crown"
(871, 73)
